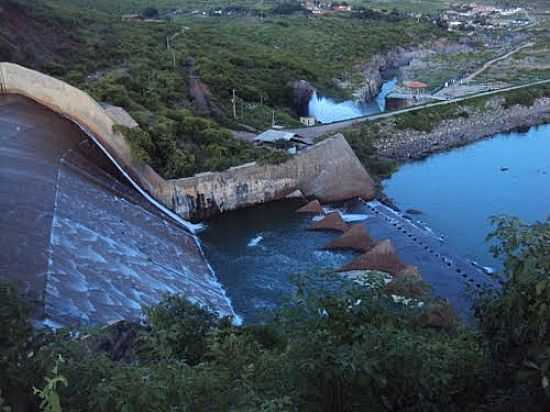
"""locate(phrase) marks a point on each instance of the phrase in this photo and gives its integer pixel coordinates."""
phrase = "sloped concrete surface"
(83, 245)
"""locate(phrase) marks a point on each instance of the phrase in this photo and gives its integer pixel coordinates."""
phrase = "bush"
(515, 320)
(178, 331)
(361, 141)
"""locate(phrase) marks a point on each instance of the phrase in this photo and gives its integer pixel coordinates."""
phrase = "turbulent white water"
(255, 241)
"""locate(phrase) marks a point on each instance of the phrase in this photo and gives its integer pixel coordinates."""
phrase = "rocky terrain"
(410, 144)
(398, 61)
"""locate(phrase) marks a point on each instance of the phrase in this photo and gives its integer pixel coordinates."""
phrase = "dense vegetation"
(176, 77)
(337, 347)
(361, 140)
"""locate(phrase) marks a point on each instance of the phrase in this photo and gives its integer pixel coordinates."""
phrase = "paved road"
(316, 131)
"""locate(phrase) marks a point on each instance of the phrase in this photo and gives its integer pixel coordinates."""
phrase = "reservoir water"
(256, 252)
(327, 110)
(458, 191)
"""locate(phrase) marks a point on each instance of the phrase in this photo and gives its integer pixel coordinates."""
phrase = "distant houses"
(476, 16)
(319, 7)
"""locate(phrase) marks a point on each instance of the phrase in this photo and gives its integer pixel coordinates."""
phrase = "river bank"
(469, 125)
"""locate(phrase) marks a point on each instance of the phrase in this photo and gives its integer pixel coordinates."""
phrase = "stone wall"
(329, 170)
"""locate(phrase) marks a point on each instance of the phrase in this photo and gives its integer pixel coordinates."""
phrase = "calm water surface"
(255, 252)
(459, 190)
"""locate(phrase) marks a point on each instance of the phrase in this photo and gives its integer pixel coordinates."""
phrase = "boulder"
(382, 257)
(356, 238)
(332, 221)
(312, 207)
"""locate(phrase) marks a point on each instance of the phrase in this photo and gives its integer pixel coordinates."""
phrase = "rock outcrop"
(333, 221)
(302, 91)
(408, 144)
(312, 207)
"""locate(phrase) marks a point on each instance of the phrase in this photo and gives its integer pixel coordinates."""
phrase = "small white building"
(307, 121)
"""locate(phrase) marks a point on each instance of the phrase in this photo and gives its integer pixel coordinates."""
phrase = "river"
(458, 191)
(255, 252)
(327, 110)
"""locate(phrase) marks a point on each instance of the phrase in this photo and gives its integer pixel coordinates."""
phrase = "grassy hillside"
(182, 94)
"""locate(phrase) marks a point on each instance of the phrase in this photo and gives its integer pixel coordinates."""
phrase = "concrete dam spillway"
(91, 235)
(82, 244)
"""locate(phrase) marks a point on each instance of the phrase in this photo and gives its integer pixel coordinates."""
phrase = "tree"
(150, 12)
(515, 321)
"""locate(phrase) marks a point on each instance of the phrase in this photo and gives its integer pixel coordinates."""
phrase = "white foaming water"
(353, 217)
(255, 241)
(346, 217)
(489, 270)
(192, 227)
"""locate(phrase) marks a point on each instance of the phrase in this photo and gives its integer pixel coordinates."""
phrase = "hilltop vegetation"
(352, 349)
(181, 95)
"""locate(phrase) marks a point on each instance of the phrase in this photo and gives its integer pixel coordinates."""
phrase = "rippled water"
(256, 252)
(458, 191)
(327, 110)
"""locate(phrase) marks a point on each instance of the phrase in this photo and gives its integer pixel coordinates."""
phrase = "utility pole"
(273, 119)
(172, 50)
(234, 101)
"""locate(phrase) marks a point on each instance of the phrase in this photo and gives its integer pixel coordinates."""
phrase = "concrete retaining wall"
(329, 171)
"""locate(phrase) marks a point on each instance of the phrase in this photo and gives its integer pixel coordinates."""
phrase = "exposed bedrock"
(408, 144)
(328, 171)
(302, 91)
(374, 69)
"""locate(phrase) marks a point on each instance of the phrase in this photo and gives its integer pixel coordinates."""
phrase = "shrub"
(361, 141)
(515, 320)
(178, 331)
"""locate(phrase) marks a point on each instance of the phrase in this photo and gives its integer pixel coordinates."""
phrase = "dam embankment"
(329, 171)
